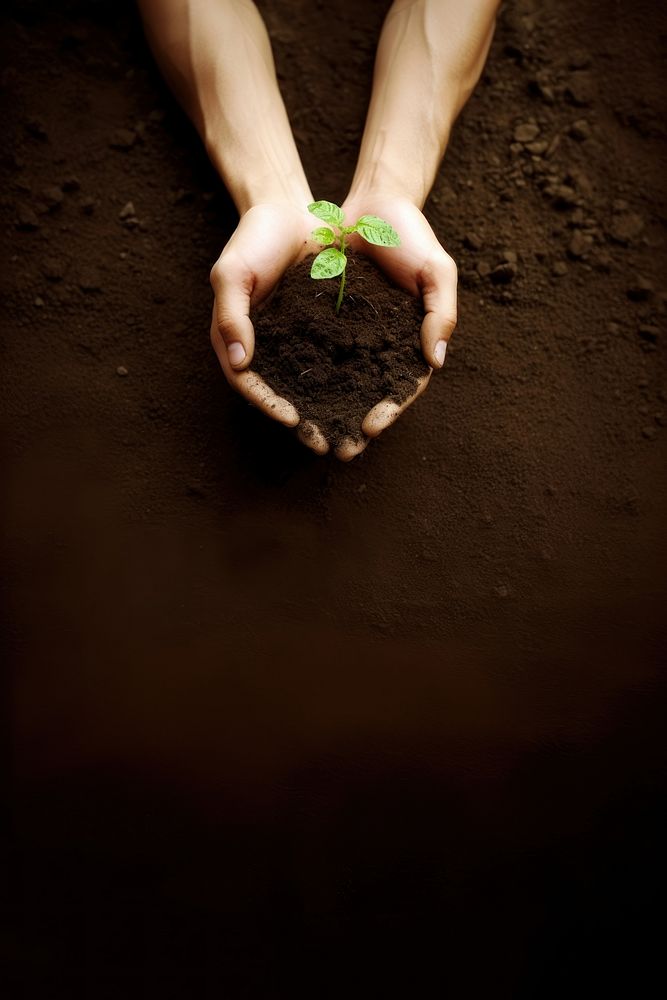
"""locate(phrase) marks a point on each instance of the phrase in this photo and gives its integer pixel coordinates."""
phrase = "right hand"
(268, 239)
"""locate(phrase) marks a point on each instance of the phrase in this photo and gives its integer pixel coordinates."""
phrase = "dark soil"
(286, 727)
(336, 367)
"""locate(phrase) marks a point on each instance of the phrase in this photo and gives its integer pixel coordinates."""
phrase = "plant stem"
(341, 289)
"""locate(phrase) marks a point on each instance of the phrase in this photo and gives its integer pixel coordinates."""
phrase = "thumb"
(235, 333)
(439, 296)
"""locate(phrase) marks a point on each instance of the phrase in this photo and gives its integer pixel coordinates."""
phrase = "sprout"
(331, 262)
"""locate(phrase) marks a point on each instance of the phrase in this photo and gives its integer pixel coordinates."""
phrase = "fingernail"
(439, 352)
(235, 353)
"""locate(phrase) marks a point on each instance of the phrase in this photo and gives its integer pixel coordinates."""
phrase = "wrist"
(251, 182)
(268, 188)
(375, 179)
(400, 162)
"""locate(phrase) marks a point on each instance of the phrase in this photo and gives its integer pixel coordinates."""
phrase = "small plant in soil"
(332, 262)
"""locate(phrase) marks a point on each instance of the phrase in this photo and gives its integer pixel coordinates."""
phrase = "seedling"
(331, 262)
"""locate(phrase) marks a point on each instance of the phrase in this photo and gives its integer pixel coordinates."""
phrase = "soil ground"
(285, 727)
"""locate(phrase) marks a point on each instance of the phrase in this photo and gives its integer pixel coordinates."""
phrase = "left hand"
(268, 239)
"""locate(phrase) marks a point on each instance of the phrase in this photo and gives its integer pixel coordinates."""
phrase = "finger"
(232, 313)
(309, 434)
(251, 386)
(349, 448)
(387, 411)
(439, 295)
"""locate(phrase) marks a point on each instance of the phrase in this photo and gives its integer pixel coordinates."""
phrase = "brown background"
(284, 727)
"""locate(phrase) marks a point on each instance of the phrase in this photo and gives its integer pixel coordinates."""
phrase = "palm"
(268, 239)
(402, 264)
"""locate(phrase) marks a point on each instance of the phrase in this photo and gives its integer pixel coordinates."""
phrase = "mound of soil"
(335, 367)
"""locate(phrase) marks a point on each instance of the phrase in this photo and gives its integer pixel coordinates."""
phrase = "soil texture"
(336, 367)
(287, 727)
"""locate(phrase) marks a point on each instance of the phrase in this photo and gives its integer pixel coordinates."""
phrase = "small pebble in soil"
(541, 86)
(127, 211)
(640, 290)
(35, 128)
(90, 280)
(579, 59)
(181, 195)
(123, 139)
(53, 268)
(553, 146)
(52, 197)
(650, 433)
(87, 205)
(26, 217)
(564, 196)
(580, 90)
(503, 274)
(559, 269)
(580, 130)
(122, 371)
(602, 261)
(472, 241)
(39, 301)
(579, 245)
(625, 226)
(526, 132)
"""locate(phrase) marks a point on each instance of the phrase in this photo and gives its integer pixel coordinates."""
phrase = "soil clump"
(335, 367)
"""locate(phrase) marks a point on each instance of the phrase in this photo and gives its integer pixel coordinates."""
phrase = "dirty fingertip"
(286, 413)
(380, 417)
(312, 437)
(349, 449)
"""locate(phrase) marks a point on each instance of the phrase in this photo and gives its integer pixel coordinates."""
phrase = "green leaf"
(328, 264)
(327, 212)
(377, 231)
(323, 235)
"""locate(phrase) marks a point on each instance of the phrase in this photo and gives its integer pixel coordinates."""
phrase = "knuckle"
(222, 270)
(225, 326)
(450, 267)
(215, 277)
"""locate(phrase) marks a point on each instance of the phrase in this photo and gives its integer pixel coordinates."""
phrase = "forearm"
(430, 56)
(216, 56)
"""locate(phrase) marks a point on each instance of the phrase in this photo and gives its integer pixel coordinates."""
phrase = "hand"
(268, 239)
(423, 268)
